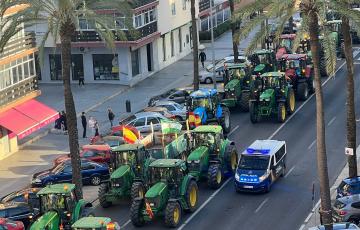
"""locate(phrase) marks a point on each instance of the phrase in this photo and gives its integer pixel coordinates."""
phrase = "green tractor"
(129, 165)
(60, 208)
(272, 95)
(172, 191)
(237, 89)
(98, 223)
(263, 61)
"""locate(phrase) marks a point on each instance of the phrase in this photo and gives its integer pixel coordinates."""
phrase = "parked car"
(25, 195)
(338, 226)
(92, 173)
(142, 121)
(347, 209)
(178, 95)
(97, 153)
(18, 211)
(111, 140)
(6, 224)
(177, 110)
(162, 110)
(348, 186)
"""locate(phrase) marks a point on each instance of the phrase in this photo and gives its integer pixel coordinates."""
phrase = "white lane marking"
(356, 52)
(203, 205)
(302, 105)
(231, 132)
(302, 227)
(287, 174)
(261, 205)
(312, 144)
(308, 217)
(331, 121)
(126, 223)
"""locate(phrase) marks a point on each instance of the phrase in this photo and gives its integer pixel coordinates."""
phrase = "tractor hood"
(156, 190)
(197, 153)
(259, 68)
(120, 172)
(232, 84)
(44, 220)
(267, 94)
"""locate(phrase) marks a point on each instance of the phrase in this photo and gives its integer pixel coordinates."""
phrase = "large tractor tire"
(290, 101)
(281, 112)
(231, 158)
(172, 214)
(323, 71)
(244, 101)
(137, 190)
(302, 91)
(215, 176)
(191, 196)
(103, 190)
(254, 118)
(225, 119)
(136, 216)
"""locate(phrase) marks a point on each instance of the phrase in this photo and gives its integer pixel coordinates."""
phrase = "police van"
(260, 165)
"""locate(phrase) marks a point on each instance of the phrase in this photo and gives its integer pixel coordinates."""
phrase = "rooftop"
(96, 147)
(57, 189)
(166, 163)
(208, 129)
(127, 147)
(273, 74)
(263, 51)
(294, 56)
(203, 93)
(265, 147)
(92, 222)
(236, 65)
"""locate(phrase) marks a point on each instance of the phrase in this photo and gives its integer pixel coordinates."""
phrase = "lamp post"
(212, 43)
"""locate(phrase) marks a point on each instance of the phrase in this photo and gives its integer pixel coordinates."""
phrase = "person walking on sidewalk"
(202, 57)
(84, 123)
(92, 122)
(63, 121)
(97, 129)
(111, 116)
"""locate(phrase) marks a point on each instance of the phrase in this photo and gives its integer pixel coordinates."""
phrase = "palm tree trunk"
(66, 32)
(350, 120)
(234, 24)
(320, 124)
(195, 46)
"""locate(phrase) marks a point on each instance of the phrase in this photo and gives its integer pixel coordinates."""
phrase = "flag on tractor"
(168, 127)
(130, 135)
(149, 210)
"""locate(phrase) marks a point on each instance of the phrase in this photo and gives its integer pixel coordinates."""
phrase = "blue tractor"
(205, 107)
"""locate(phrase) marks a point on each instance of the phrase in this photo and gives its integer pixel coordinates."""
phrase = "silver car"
(142, 121)
(338, 226)
(179, 111)
(347, 209)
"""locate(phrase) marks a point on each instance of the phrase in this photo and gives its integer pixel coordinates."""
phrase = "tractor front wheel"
(191, 196)
(103, 189)
(302, 91)
(225, 119)
(215, 176)
(244, 101)
(281, 112)
(290, 101)
(253, 113)
(231, 158)
(136, 216)
(137, 190)
(172, 214)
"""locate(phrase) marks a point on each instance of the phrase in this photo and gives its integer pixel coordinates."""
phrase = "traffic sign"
(349, 151)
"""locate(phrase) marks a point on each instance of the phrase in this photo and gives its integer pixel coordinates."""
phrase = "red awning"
(28, 117)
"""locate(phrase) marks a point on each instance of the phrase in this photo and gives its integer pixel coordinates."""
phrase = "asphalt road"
(290, 200)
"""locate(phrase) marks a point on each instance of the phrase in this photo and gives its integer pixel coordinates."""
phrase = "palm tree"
(194, 36)
(62, 18)
(234, 25)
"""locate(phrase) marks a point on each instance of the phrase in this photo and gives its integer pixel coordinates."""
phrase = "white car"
(179, 111)
(142, 121)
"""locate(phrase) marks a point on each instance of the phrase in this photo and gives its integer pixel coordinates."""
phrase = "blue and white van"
(260, 165)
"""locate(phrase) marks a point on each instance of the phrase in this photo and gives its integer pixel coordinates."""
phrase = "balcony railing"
(18, 45)
(18, 90)
(93, 36)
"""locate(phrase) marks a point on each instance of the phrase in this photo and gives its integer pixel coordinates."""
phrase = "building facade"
(163, 37)
(20, 113)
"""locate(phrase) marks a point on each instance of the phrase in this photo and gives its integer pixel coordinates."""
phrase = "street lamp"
(212, 43)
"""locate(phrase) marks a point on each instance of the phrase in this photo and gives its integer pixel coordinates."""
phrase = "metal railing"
(18, 45)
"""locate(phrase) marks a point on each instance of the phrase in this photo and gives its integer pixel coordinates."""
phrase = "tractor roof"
(57, 189)
(235, 65)
(264, 147)
(288, 36)
(96, 147)
(273, 74)
(334, 22)
(208, 129)
(263, 51)
(294, 56)
(203, 93)
(127, 147)
(166, 163)
(92, 222)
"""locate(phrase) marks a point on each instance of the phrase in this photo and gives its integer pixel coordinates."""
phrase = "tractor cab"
(129, 154)
(168, 171)
(98, 223)
(286, 45)
(209, 136)
(263, 61)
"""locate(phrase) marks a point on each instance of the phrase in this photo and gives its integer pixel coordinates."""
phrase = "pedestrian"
(84, 123)
(58, 122)
(92, 122)
(63, 121)
(202, 57)
(111, 116)
(81, 78)
(96, 129)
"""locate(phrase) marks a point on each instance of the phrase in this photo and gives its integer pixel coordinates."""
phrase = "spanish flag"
(129, 135)
(149, 210)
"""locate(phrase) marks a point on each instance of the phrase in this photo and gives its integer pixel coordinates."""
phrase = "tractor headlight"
(237, 176)
(263, 177)
(37, 180)
(197, 161)
(267, 99)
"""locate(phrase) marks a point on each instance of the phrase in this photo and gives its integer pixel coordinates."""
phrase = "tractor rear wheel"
(225, 119)
(302, 91)
(172, 214)
(136, 216)
(253, 113)
(103, 189)
(244, 101)
(215, 176)
(231, 158)
(137, 190)
(290, 101)
(281, 112)
(191, 196)
(323, 71)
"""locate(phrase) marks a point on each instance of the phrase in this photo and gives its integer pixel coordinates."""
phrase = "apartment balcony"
(19, 45)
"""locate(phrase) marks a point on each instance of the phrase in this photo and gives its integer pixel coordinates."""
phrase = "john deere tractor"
(272, 95)
(263, 61)
(205, 107)
(172, 191)
(129, 165)
(98, 223)
(237, 90)
(60, 208)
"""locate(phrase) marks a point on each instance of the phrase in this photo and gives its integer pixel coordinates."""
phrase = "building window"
(77, 67)
(205, 24)
(163, 47)
(220, 17)
(144, 18)
(135, 62)
(180, 40)
(184, 4)
(173, 8)
(55, 67)
(172, 44)
(120, 23)
(106, 66)
(138, 21)
(226, 14)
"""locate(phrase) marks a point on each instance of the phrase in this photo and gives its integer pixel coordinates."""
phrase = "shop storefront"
(106, 66)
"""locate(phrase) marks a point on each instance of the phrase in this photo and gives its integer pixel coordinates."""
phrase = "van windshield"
(254, 162)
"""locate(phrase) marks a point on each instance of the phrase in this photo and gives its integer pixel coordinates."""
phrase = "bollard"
(128, 106)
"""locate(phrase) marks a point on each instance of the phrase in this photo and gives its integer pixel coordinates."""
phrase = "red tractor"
(286, 44)
(299, 70)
